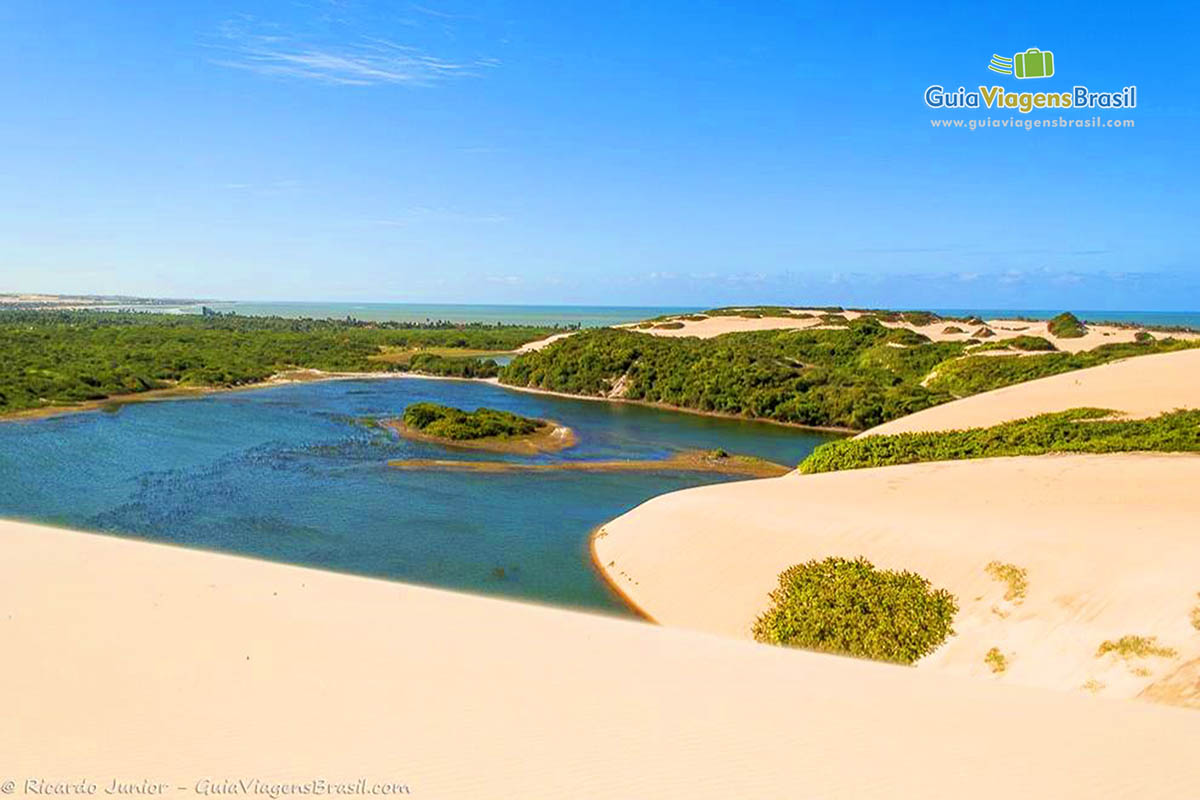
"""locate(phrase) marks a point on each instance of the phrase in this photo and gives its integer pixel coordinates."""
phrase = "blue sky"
(616, 153)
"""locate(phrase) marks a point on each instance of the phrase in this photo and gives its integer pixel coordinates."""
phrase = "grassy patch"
(1135, 647)
(1080, 430)
(996, 660)
(848, 606)
(1012, 576)
(1025, 343)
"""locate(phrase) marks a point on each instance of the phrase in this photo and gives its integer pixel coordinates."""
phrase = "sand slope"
(1095, 336)
(138, 661)
(1140, 387)
(1109, 544)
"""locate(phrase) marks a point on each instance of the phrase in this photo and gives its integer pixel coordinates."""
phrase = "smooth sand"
(139, 661)
(1004, 329)
(1109, 544)
(1144, 386)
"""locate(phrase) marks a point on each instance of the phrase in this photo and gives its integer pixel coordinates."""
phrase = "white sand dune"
(137, 661)
(1003, 329)
(1109, 544)
(530, 347)
(1139, 387)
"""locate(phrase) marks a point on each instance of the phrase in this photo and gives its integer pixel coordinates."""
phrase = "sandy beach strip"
(1143, 386)
(138, 661)
(1108, 544)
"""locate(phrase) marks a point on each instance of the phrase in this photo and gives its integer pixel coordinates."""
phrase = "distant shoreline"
(318, 376)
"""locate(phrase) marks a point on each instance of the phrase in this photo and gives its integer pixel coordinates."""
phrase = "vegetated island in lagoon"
(505, 432)
(482, 429)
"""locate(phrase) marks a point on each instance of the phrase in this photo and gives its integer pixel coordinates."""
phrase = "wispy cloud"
(245, 43)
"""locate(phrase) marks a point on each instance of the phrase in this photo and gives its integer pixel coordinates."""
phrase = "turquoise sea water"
(586, 316)
(286, 473)
(594, 316)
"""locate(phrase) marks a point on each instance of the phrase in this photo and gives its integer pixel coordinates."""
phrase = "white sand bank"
(1108, 542)
(137, 661)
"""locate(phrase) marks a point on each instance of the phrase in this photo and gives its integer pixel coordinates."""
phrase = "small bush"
(1135, 647)
(669, 326)
(1066, 326)
(996, 660)
(952, 329)
(850, 607)
(984, 333)
(1013, 576)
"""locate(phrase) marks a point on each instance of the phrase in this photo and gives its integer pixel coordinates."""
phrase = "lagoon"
(289, 473)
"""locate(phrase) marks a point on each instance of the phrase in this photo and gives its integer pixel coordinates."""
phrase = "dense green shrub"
(848, 606)
(1081, 430)
(961, 377)
(850, 377)
(1066, 326)
(53, 358)
(447, 422)
(1023, 342)
(433, 364)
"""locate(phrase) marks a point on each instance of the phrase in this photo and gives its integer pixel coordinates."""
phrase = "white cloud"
(247, 44)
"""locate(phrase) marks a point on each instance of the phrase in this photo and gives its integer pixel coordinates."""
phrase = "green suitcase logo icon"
(1033, 63)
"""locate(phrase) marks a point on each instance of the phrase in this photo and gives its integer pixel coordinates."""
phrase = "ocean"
(598, 316)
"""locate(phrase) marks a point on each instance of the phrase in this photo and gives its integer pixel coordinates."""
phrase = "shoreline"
(686, 461)
(668, 407)
(609, 581)
(315, 376)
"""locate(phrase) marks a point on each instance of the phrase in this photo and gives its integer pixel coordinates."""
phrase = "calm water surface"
(288, 474)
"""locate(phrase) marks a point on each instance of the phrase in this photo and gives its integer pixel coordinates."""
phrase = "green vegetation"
(952, 329)
(848, 378)
(966, 376)
(433, 364)
(1023, 342)
(848, 606)
(758, 312)
(1135, 647)
(1080, 430)
(58, 358)
(1013, 576)
(446, 422)
(1066, 326)
(996, 660)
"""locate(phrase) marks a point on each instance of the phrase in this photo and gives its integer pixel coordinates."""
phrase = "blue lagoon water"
(288, 473)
